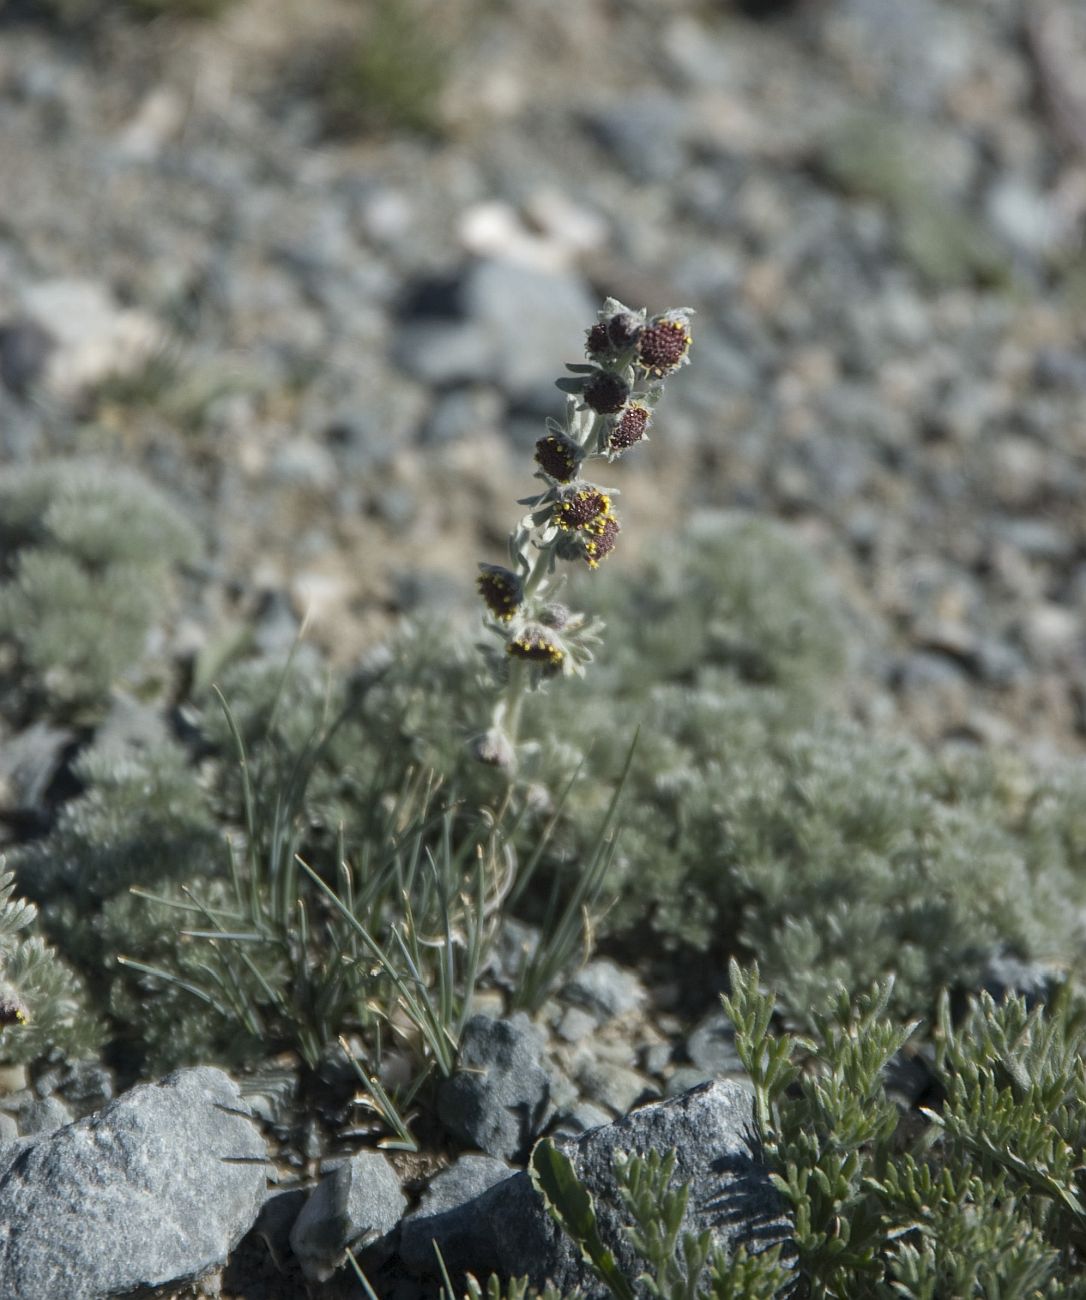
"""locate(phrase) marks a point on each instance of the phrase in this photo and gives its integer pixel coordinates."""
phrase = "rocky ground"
(333, 338)
(337, 348)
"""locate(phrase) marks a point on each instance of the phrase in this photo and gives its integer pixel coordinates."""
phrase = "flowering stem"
(513, 699)
(609, 404)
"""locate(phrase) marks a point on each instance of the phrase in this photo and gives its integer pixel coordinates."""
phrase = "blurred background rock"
(313, 267)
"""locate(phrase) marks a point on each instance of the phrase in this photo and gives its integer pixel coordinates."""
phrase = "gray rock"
(563, 1091)
(431, 591)
(534, 322)
(156, 1188)
(356, 1201)
(1027, 219)
(655, 1058)
(264, 1252)
(275, 625)
(514, 946)
(28, 763)
(444, 352)
(685, 1077)
(1039, 539)
(131, 728)
(95, 336)
(497, 1099)
(463, 1181)
(643, 135)
(999, 663)
(462, 413)
(498, 323)
(1006, 974)
(507, 1230)
(10, 1152)
(605, 989)
(580, 1119)
(305, 464)
(912, 53)
(615, 1086)
(711, 1046)
(1060, 368)
(22, 429)
(86, 1086)
(575, 1025)
(9, 1130)
(277, 1217)
(271, 1093)
(924, 672)
(908, 1076)
(42, 1115)
(24, 353)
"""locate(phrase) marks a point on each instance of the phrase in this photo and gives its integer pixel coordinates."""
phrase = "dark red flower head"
(501, 590)
(663, 344)
(600, 541)
(580, 508)
(629, 427)
(535, 646)
(558, 456)
(606, 392)
(598, 343)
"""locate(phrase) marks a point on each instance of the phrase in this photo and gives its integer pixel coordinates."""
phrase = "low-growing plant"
(86, 552)
(143, 818)
(978, 1194)
(385, 933)
(42, 1003)
(678, 1265)
(751, 821)
(307, 880)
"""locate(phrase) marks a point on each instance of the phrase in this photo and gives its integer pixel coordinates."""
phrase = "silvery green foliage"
(753, 813)
(164, 1025)
(236, 950)
(978, 1195)
(87, 548)
(856, 858)
(42, 1004)
(144, 818)
(726, 592)
(750, 815)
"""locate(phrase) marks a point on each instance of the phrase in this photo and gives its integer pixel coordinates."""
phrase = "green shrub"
(982, 1198)
(979, 1195)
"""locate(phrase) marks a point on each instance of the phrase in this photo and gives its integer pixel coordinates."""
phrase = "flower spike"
(608, 409)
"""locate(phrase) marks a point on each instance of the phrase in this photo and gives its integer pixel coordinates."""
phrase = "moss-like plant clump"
(86, 551)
